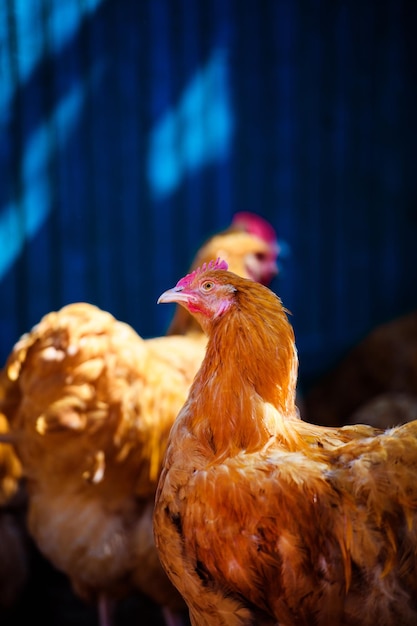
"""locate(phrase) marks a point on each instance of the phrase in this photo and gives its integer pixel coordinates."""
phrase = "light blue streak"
(64, 19)
(21, 221)
(197, 132)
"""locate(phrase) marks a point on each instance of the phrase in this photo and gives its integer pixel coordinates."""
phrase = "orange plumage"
(90, 436)
(91, 404)
(262, 518)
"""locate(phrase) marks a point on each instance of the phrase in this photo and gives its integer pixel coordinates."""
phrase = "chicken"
(261, 518)
(90, 436)
(386, 410)
(384, 361)
(91, 404)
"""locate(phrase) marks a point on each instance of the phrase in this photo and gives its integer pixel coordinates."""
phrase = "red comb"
(218, 264)
(255, 225)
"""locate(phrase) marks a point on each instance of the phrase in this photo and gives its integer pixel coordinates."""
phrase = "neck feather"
(250, 360)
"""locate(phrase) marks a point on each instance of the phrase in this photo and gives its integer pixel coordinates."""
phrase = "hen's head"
(249, 246)
(260, 263)
(246, 324)
(246, 255)
(210, 290)
(205, 292)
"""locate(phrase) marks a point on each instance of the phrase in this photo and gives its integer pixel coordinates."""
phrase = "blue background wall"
(131, 130)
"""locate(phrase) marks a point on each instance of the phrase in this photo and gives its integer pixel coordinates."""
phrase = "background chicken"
(386, 410)
(91, 404)
(261, 517)
(383, 364)
(89, 432)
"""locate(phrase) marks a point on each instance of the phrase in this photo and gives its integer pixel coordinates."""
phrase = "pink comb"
(218, 264)
(255, 225)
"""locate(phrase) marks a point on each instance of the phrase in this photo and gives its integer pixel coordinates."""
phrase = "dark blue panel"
(304, 112)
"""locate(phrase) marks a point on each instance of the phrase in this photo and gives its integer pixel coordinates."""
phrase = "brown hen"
(261, 518)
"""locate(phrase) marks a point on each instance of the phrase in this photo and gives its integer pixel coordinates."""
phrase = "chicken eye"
(207, 285)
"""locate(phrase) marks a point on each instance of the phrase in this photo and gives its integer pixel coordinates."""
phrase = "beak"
(173, 295)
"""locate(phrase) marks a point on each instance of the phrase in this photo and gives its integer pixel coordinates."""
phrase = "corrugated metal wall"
(131, 130)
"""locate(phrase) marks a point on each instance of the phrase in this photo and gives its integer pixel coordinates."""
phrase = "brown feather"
(261, 518)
